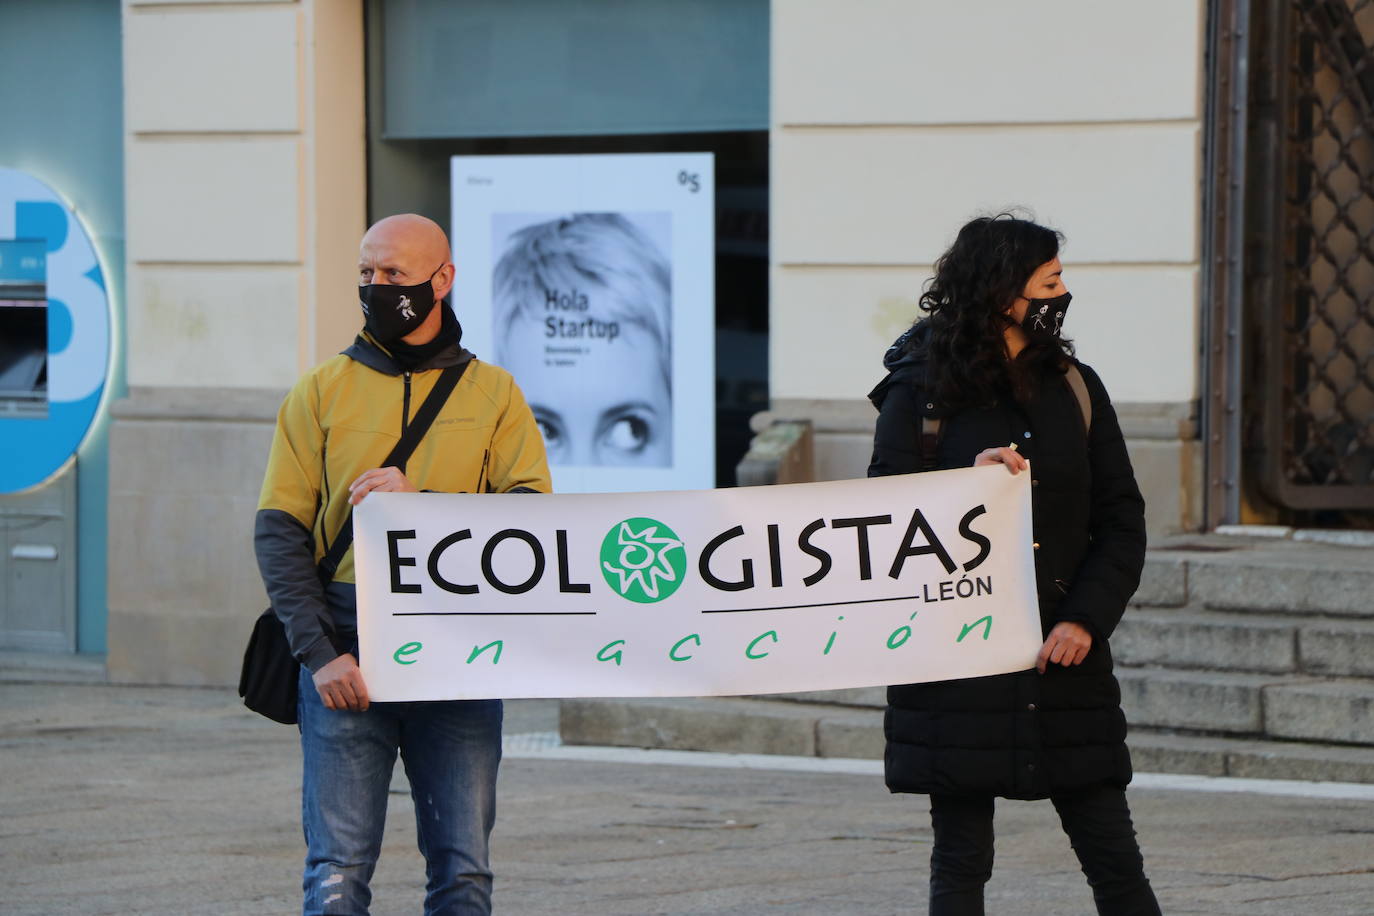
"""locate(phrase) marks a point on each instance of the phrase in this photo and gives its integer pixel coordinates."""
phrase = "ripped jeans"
(451, 751)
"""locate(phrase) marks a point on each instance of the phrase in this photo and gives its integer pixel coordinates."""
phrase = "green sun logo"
(643, 560)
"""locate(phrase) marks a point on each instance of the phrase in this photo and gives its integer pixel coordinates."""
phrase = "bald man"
(334, 430)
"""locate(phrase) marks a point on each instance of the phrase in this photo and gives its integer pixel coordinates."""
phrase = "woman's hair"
(582, 251)
(975, 282)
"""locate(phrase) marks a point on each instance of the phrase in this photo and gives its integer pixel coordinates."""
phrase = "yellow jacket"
(343, 418)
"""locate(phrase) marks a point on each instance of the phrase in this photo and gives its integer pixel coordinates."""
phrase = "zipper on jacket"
(405, 414)
(324, 506)
(482, 472)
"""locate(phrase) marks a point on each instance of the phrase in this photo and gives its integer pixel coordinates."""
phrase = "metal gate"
(1291, 131)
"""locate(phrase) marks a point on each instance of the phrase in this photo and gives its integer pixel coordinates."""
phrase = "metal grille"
(1319, 403)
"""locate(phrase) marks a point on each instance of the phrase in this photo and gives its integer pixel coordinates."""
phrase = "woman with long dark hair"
(987, 378)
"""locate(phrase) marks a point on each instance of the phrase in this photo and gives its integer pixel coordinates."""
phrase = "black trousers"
(1098, 823)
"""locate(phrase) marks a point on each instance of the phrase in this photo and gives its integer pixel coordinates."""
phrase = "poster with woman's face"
(582, 305)
(590, 279)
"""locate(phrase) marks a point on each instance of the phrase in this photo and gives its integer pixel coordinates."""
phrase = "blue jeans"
(451, 751)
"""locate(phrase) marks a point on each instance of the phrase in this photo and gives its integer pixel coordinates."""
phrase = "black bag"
(269, 681)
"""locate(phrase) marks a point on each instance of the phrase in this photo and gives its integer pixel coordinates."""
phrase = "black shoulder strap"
(415, 431)
(1074, 378)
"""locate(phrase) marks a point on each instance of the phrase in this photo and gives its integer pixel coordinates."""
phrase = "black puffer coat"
(1024, 735)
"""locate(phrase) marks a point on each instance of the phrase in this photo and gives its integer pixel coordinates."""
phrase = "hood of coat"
(910, 348)
(447, 351)
(905, 361)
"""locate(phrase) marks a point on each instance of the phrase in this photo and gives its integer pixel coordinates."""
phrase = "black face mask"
(392, 312)
(1045, 317)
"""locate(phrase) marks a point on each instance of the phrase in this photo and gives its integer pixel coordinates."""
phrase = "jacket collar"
(366, 350)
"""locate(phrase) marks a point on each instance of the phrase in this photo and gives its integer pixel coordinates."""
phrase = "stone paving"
(169, 800)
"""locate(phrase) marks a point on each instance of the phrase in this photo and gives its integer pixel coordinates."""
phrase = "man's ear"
(443, 281)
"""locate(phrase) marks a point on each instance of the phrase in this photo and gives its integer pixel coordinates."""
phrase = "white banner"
(592, 279)
(852, 583)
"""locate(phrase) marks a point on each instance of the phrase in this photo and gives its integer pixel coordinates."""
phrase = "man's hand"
(385, 480)
(1067, 644)
(341, 686)
(1006, 455)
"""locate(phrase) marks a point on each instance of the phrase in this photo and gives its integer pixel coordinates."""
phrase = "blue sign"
(54, 332)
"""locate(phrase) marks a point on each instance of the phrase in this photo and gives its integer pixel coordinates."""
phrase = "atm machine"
(54, 360)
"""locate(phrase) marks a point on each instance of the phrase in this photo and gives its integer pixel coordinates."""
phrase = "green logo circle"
(643, 560)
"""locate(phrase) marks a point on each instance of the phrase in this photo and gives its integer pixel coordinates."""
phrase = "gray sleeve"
(286, 559)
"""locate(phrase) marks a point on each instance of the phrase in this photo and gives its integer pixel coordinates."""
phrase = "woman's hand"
(1067, 644)
(1006, 455)
(388, 480)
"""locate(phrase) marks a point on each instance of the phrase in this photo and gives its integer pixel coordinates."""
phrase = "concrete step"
(1342, 648)
(1187, 638)
(1271, 706)
(1292, 706)
(1204, 755)
(17, 666)
(1296, 706)
(1212, 701)
(1338, 710)
(1235, 641)
(1256, 574)
(732, 725)
(864, 697)
(737, 725)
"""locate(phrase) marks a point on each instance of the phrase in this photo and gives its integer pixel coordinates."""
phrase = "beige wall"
(895, 121)
(246, 190)
(891, 132)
